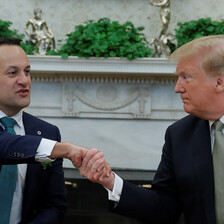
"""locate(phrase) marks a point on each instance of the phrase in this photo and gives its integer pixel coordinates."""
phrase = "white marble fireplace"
(121, 107)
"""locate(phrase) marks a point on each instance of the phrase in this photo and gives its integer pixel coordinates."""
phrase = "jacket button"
(10, 153)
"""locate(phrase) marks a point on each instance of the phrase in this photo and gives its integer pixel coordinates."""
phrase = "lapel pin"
(39, 132)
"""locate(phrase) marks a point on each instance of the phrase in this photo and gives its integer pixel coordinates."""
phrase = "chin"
(189, 110)
(23, 105)
(186, 109)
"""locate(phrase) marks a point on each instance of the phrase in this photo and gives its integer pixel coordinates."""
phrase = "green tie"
(8, 179)
(218, 164)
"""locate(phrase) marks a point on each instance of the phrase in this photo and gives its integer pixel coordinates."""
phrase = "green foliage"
(198, 28)
(5, 31)
(105, 39)
(94, 39)
(28, 48)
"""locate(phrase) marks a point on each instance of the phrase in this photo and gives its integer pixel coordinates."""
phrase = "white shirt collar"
(18, 118)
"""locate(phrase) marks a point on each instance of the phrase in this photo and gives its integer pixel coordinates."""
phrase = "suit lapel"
(31, 128)
(203, 167)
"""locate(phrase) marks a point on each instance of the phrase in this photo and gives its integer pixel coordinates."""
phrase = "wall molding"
(111, 66)
(111, 88)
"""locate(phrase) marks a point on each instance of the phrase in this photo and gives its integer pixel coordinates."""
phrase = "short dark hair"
(9, 41)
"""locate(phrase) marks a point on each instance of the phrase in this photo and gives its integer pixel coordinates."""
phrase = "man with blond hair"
(190, 176)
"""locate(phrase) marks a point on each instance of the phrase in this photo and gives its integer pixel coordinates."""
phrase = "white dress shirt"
(118, 183)
(44, 150)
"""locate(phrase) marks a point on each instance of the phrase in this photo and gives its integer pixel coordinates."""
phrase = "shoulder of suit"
(187, 121)
(30, 118)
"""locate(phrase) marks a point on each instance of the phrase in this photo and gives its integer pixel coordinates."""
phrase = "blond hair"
(213, 46)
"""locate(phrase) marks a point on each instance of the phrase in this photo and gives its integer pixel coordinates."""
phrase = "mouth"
(184, 100)
(23, 92)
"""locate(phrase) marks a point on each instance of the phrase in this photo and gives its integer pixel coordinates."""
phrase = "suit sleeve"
(53, 202)
(15, 149)
(159, 204)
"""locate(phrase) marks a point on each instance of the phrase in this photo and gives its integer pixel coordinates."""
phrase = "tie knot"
(8, 122)
(218, 125)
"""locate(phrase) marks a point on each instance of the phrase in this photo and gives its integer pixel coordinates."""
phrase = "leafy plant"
(5, 31)
(105, 39)
(28, 48)
(198, 28)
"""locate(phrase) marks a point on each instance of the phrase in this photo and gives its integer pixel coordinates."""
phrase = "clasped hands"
(92, 165)
(90, 162)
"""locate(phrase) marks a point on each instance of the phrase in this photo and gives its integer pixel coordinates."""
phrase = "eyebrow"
(14, 67)
(184, 70)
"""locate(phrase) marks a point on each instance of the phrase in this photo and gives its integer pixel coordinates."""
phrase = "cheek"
(6, 96)
(5, 88)
(203, 98)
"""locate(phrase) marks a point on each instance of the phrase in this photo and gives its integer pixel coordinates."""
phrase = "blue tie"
(8, 178)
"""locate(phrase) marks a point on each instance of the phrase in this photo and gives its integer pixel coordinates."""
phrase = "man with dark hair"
(37, 192)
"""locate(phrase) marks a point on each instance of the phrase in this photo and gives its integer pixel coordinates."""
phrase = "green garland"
(105, 39)
(6, 31)
(193, 29)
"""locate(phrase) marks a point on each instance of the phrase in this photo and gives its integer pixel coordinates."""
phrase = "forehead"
(12, 55)
(190, 62)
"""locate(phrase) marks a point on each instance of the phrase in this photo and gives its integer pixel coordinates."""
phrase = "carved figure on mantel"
(161, 44)
(40, 35)
(164, 12)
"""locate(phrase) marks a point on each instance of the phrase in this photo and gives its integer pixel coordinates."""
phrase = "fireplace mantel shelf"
(144, 66)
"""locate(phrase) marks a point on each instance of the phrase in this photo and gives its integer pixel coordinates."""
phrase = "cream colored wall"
(63, 15)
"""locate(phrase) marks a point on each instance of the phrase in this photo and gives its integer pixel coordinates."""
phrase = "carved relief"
(126, 101)
(106, 93)
(144, 94)
(68, 98)
(132, 95)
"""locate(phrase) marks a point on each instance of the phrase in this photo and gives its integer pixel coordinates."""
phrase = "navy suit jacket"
(44, 198)
(183, 183)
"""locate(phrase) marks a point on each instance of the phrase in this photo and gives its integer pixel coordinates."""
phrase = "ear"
(220, 84)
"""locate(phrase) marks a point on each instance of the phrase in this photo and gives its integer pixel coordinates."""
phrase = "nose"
(179, 87)
(23, 79)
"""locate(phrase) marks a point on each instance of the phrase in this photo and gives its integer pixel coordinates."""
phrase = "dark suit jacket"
(184, 180)
(44, 194)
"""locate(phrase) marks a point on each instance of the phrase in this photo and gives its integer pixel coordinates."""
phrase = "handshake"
(90, 162)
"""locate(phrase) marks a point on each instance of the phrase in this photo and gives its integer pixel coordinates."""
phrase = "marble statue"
(39, 33)
(161, 44)
(164, 12)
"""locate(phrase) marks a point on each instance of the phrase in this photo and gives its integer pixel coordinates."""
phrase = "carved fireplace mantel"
(144, 66)
(106, 88)
(113, 104)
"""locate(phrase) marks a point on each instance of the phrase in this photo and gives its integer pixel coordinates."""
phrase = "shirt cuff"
(44, 150)
(117, 189)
